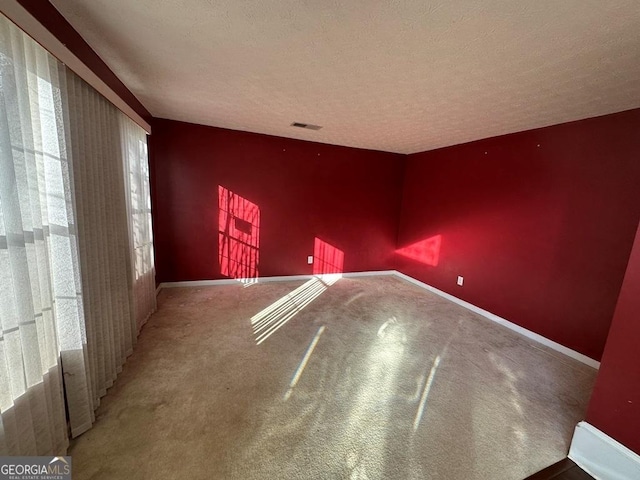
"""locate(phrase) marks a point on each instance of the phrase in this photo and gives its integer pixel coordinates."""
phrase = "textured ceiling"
(400, 76)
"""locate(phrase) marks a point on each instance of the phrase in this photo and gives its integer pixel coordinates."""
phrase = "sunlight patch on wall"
(327, 259)
(238, 236)
(425, 251)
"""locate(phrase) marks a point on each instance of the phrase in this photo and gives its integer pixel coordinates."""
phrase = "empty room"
(319, 240)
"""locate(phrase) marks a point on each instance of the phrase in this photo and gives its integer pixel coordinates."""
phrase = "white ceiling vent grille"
(308, 126)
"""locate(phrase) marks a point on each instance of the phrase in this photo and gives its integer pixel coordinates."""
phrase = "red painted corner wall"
(539, 223)
(615, 402)
(347, 197)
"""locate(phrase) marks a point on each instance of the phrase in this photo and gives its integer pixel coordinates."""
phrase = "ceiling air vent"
(308, 126)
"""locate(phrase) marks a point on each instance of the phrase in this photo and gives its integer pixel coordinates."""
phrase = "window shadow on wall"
(327, 259)
(238, 236)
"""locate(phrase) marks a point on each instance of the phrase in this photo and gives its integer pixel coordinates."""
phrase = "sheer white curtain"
(111, 185)
(136, 162)
(93, 136)
(40, 290)
(76, 247)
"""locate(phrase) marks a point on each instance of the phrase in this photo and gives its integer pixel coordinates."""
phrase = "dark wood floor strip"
(575, 473)
(563, 470)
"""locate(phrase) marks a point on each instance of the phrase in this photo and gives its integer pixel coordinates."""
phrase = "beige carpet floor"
(374, 378)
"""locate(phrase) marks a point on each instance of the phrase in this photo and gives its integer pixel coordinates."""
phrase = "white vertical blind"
(76, 247)
(93, 133)
(13, 10)
(39, 280)
(136, 162)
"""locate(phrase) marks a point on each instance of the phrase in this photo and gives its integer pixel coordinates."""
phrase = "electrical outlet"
(460, 280)
(310, 259)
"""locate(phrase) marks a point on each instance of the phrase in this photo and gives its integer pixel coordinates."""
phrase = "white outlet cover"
(310, 259)
(460, 280)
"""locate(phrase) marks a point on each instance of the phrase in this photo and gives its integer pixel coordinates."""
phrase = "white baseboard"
(517, 328)
(230, 281)
(374, 273)
(495, 318)
(284, 278)
(601, 456)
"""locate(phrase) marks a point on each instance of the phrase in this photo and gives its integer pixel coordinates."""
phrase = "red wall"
(347, 197)
(614, 406)
(539, 223)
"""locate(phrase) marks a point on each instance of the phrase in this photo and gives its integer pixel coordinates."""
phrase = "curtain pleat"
(103, 233)
(38, 258)
(77, 279)
(138, 199)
